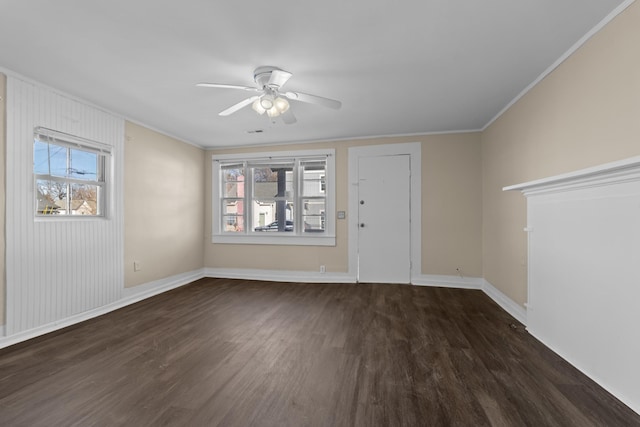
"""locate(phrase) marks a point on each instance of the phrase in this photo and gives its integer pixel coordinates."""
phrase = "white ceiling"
(399, 67)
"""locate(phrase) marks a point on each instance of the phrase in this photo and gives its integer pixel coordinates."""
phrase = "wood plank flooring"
(247, 353)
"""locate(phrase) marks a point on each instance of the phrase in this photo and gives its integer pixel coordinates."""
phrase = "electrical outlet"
(136, 266)
(323, 269)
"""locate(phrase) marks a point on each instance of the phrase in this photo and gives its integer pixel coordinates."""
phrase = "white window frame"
(326, 238)
(68, 141)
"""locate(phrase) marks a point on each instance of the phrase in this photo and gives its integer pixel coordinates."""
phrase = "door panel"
(384, 239)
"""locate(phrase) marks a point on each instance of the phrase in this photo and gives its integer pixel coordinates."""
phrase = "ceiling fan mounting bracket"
(261, 75)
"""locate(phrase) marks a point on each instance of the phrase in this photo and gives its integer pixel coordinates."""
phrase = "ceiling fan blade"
(238, 106)
(314, 99)
(279, 78)
(225, 86)
(288, 118)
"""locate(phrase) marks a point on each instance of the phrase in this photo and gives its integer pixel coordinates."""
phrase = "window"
(69, 175)
(274, 199)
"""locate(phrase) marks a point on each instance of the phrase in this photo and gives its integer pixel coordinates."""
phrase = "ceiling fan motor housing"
(262, 75)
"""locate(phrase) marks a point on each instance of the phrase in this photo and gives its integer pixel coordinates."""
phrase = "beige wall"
(451, 223)
(585, 113)
(3, 103)
(163, 206)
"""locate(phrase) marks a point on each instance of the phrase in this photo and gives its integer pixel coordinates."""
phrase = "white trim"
(269, 239)
(1, 331)
(609, 173)
(275, 155)
(270, 144)
(414, 150)
(442, 281)
(149, 289)
(279, 275)
(600, 25)
(509, 305)
(132, 295)
(67, 140)
(457, 282)
(165, 133)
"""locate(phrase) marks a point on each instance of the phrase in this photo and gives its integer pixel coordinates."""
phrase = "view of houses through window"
(284, 195)
(69, 177)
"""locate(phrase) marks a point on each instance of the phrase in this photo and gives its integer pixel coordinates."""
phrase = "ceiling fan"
(271, 99)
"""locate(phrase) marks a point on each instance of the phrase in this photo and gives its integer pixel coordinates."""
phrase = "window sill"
(261, 239)
(63, 218)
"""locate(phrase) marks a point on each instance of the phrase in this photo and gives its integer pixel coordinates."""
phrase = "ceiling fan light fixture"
(281, 104)
(273, 112)
(257, 107)
(266, 101)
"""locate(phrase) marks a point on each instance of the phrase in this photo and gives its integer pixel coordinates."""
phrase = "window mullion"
(248, 197)
(68, 184)
(297, 205)
(223, 184)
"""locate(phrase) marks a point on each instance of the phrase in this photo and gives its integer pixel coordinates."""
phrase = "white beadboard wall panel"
(56, 267)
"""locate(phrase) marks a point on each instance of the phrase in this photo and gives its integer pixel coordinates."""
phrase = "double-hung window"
(274, 198)
(70, 175)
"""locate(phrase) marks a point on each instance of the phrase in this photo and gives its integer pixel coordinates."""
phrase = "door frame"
(414, 150)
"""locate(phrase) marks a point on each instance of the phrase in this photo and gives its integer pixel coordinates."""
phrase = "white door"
(384, 214)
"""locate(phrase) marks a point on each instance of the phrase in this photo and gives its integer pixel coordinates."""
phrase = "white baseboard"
(448, 281)
(149, 289)
(130, 296)
(279, 275)
(509, 305)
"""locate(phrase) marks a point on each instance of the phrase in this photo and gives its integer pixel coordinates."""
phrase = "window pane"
(232, 173)
(271, 182)
(313, 178)
(51, 197)
(313, 215)
(233, 207)
(233, 223)
(40, 158)
(233, 189)
(84, 165)
(233, 215)
(58, 160)
(84, 199)
(273, 215)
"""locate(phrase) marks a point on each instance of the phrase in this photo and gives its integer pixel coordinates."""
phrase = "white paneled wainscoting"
(58, 267)
(584, 275)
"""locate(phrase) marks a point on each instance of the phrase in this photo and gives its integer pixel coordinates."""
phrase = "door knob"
(362, 225)
(362, 202)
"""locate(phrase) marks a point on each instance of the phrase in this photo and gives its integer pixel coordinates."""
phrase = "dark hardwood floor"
(245, 353)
